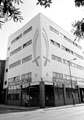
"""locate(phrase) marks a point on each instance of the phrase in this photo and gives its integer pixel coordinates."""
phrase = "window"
(28, 30)
(54, 30)
(54, 43)
(57, 76)
(7, 58)
(5, 82)
(27, 43)
(15, 64)
(15, 51)
(26, 77)
(17, 38)
(64, 48)
(28, 58)
(14, 81)
(56, 58)
(67, 77)
(13, 96)
(69, 40)
(6, 70)
(10, 80)
(65, 62)
(79, 56)
(80, 67)
(17, 78)
(77, 45)
(67, 49)
(8, 48)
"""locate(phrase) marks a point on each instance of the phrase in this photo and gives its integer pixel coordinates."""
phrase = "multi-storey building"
(44, 67)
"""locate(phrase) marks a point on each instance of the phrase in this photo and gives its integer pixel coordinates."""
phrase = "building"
(44, 66)
(2, 68)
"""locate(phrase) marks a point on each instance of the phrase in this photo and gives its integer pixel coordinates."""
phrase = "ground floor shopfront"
(44, 94)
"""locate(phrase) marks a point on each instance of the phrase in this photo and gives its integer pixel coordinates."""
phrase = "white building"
(43, 64)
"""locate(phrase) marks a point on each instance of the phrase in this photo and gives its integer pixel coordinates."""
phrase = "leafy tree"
(78, 26)
(8, 11)
(45, 3)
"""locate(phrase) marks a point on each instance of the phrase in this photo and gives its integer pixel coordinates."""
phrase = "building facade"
(44, 67)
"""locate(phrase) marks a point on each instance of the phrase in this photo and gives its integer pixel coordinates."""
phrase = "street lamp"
(71, 78)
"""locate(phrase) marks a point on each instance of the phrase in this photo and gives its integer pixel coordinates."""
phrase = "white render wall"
(29, 66)
(54, 66)
(42, 48)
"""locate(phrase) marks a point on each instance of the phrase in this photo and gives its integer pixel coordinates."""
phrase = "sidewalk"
(37, 108)
(22, 108)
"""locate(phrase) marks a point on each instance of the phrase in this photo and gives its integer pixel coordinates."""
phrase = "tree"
(45, 3)
(8, 11)
(78, 26)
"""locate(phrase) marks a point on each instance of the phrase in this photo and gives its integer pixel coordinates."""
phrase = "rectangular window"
(28, 30)
(64, 48)
(15, 51)
(26, 77)
(54, 30)
(69, 40)
(13, 96)
(67, 49)
(77, 45)
(14, 81)
(17, 38)
(67, 77)
(15, 64)
(28, 58)
(79, 56)
(66, 38)
(27, 43)
(56, 58)
(55, 43)
(57, 75)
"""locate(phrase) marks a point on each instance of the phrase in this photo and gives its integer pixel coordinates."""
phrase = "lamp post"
(71, 78)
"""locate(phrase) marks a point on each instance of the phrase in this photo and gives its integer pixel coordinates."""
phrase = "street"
(64, 113)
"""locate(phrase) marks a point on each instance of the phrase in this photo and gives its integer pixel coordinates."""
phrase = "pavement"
(68, 112)
(21, 108)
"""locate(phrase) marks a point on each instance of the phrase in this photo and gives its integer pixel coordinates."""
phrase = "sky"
(62, 12)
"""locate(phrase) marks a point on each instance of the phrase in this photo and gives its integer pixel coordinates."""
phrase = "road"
(65, 113)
